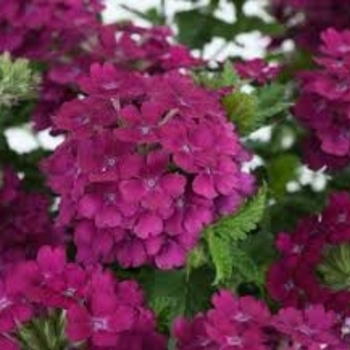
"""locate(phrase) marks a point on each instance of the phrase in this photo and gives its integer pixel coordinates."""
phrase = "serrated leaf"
(197, 257)
(245, 220)
(246, 267)
(251, 111)
(271, 100)
(228, 76)
(220, 251)
(225, 78)
(176, 293)
(242, 111)
(221, 237)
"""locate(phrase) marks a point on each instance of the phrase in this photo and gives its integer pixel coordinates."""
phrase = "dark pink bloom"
(25, 222)
(153, 187)
(233, 323)
(323, 106)
(293, 279)
(305, 19)
(13, 309)
(141, 189)
(257, 70)
(103, 323)
(310, 327)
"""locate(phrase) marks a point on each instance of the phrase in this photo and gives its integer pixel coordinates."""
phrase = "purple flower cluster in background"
(246, 323)
(66, 37)
(324, 103)
(25, 222)
(306, 19)
(294, 279)
(99, 310)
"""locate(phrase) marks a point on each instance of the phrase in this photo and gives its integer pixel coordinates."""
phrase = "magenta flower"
(307, 18)
(13, 309)
(25, 222)
(233, 323)
(193, 335)
(257, 70)
(153, 187)
(143, 188)
(99, 310)
(324, 103)
(140, 126)
(6, 343)
(103, 323)
(294, 279)
(310, 327)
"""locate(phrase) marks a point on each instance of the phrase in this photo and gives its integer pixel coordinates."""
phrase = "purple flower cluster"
(25, 222)
(67, 37)
(99, 310)
(324, 103)
(148, 162)
(246, 323)
(58, 34)
(294, 280)
(306, 19)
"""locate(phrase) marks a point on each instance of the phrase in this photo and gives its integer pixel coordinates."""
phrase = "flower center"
(99, 323)
(241, 317)
(234, 341)
(145, 130)
(186, 148)
(289, 285)
(305, 329)
(151, 183)
(5, 303)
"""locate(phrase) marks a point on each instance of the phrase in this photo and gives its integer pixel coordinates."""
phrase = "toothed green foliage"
(221, 237)
(242, 110)
(250, 111)
(227, 77)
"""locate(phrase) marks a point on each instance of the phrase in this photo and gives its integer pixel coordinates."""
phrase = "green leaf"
(220, 251)
(227, 77)
(250, 23)
(222, 236)
(271, 100)
(245, 267)
(281, 170)
(197, 257)
(242, 109)
(251, 111)
(152, 15)
(175, 293)
(237, 226)
(197, 27)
